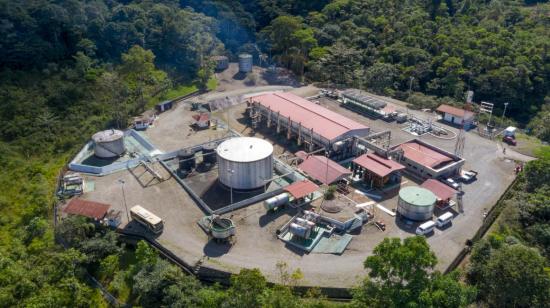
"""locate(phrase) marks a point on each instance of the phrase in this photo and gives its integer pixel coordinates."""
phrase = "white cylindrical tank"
(245, 162)
(304, 222)
(245, 63)
(300, 231)
(276, 201)
(108, 143)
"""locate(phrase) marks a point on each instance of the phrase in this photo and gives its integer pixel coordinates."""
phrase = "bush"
(329, 193)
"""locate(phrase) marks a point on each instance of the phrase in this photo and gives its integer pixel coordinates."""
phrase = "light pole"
(231, 171)
(121, 181)
(410, 84)
(504, 112)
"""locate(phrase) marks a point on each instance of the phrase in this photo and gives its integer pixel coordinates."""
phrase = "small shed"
(456, 116)
(202, 120)
(323, 169)
(90, 209)
(301, 189)
(443, 192)
(163, 106)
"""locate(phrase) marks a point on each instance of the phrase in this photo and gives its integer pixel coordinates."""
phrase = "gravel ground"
(256, 245)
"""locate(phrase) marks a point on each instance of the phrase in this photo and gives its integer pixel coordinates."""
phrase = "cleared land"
(256, 244)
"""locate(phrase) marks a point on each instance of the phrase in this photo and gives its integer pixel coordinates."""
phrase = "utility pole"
(410, 84)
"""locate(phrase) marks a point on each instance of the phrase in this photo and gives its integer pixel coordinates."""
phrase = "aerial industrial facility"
(276, 175)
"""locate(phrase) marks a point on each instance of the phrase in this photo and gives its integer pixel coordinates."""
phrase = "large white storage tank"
(245, 63)
(108, 143)
(245, 162)
(416, 203)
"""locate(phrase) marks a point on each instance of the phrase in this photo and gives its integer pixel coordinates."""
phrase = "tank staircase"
(198, 265)
(148, 166)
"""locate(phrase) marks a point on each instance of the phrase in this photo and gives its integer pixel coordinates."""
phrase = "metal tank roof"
(244, 149)
(107, 135)
(417, 196)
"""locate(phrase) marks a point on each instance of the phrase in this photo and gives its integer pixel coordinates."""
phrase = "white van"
(444, 219)
(425, 228)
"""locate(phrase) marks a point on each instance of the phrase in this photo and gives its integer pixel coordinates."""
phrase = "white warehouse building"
(456, 116)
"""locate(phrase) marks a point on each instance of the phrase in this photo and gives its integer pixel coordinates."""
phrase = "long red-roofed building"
(309, 123)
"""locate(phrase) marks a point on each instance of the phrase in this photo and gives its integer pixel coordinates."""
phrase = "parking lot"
(256, 244)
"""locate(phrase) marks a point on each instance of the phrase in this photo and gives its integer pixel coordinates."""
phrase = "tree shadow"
(271, 216)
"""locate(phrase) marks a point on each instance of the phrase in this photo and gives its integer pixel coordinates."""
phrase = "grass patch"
(528, 145)
(181, 90)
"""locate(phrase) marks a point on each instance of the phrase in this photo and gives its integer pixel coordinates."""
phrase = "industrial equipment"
(109, 143)
(245, 162)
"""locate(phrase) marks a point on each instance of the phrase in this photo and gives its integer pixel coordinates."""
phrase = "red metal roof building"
(377, 170)
(301, 189)
(440, 190)
(309, 116)
(323, 169)
(428, 161)
(454, 111)
(456, 116)
(87, 208)
(424, 155)
(378, 165)
(443, 193)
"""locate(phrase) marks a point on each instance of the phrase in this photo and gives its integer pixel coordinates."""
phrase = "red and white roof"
(324, 122)
(455, 111)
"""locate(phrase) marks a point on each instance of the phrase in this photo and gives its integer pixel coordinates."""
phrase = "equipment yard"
(184, 175)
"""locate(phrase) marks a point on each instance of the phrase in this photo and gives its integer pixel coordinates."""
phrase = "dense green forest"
(498, 49)
(69, 68)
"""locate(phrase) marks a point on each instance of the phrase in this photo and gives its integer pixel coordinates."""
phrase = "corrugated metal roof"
(455, 111)
(423, 155)
(301, 189)
(379, 165)
(317, 167)
(364, 98)
(324, 122)
(86, 208)
(442, 191)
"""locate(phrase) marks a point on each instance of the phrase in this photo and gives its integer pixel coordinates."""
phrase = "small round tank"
(245, 63)
(416, 203)
(186, 160)
(221, 62)
(108, 143)
(209, 153)
(222, 228)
